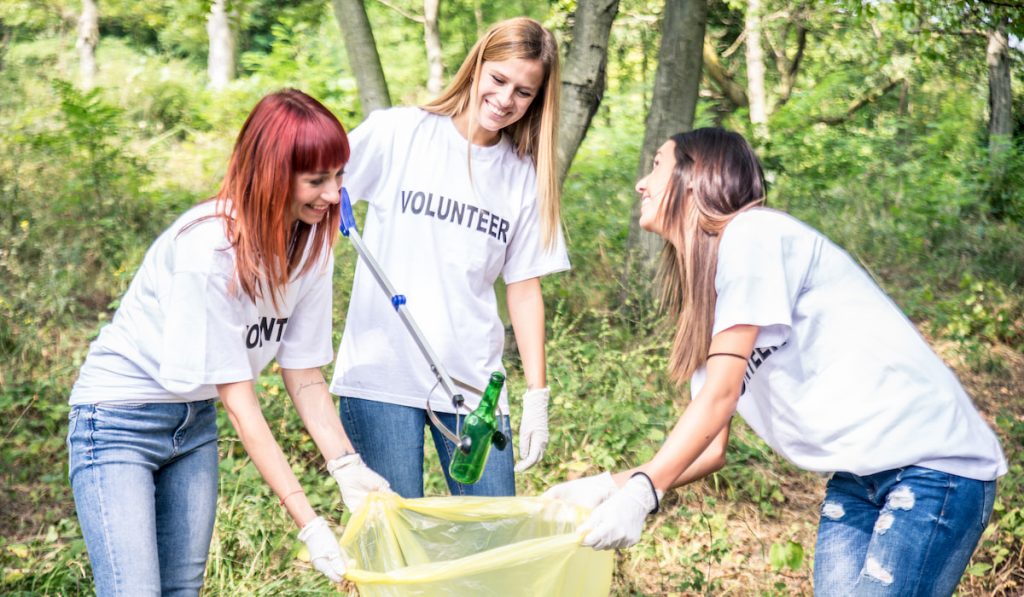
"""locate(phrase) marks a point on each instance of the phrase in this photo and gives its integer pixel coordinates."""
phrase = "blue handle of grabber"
(348, 221)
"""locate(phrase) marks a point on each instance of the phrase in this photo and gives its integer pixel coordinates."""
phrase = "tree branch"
(1003, 4)
(714, 69)
(854, 106)
(407, 15)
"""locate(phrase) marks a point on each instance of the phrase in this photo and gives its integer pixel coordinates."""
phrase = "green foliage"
(787, 555)
(697, 564)
(981, 314)
(87, 180)
(753, 471)
(74, 209)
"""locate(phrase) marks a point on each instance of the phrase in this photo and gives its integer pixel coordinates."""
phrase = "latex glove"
(585, 491)
(533, 428)
(355, 480)
(619, 520)
(323, 548)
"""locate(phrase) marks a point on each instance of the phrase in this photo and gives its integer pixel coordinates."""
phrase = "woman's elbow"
(718, 462)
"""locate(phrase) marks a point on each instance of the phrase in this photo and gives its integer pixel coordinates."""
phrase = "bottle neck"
(489, 400)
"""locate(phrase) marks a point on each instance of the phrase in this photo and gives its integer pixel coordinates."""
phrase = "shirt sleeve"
(526, 256)
(203, 335)
(307, 338)
(370, 156)
(758, 281)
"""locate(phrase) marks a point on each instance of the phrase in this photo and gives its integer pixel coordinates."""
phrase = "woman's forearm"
(526, 312)
(244, 411)
(316, 408)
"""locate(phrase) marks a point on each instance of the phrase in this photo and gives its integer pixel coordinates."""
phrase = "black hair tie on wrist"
(727, 354)
(654, 492)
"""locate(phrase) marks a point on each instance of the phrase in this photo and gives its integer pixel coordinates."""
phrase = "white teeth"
(495, 110)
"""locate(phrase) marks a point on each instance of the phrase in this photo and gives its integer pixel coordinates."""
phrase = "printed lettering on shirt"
(269, 329)
(757, 358)
(449, 210)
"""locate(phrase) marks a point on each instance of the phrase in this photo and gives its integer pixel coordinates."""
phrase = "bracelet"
(727, 354)
(654, 492)
(285, 498)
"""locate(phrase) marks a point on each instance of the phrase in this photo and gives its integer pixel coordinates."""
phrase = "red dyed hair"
(288, 132)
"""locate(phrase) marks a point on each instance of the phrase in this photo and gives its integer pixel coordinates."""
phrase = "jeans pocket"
(72, 425)
(73, 419)
(989, 489)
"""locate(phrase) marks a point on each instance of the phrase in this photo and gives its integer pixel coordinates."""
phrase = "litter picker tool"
(464, 443)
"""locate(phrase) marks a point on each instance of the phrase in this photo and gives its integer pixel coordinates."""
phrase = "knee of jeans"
(833, 510)
(875, 571)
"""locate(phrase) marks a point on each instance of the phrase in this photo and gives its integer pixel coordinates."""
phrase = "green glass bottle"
(480, 426)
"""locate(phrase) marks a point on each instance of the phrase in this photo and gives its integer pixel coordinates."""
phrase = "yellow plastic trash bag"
(472, 546)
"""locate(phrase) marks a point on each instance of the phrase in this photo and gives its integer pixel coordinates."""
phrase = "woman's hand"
(533, 428)
(324, 553)
(587, 492)
(355, 480)
(619, 520)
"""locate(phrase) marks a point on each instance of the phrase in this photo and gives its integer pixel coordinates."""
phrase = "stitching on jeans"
(934, 531)
(107, 543)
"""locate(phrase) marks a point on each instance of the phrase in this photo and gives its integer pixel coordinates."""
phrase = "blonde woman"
(778, 322)
(461, 191)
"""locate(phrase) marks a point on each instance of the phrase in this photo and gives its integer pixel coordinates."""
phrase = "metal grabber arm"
(349, 230)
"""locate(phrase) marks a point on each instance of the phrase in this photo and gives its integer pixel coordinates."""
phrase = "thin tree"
(1000, 95)
(755, 70)
(584, 75)
(673, 107)
(220, 64)
(88, 39)
(363, 58)
(432, 39)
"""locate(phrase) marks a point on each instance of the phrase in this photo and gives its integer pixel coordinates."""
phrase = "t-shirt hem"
(101, 398)
(535, 273)
(200, 378)
(442, 405)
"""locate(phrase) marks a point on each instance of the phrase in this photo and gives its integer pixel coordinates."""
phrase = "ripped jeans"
(907, 532)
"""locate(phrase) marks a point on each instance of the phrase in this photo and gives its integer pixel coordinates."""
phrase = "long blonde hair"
(716, 176)
(534, 134)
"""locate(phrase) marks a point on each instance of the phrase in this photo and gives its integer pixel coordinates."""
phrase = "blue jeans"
(144, 477)
(905, 532)
(390, 437)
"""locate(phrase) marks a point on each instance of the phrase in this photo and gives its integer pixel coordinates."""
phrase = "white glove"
(619, 520)
(323, 548)
(355, 480)
(586, 491)
(533, 429)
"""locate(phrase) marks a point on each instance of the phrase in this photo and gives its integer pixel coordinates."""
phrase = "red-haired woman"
(235, 282)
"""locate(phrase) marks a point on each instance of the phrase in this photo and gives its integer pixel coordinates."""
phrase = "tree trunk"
(6, 34)
(432, 38)
(583, 76)
(220, 64)
(673, 107)
(88, 38)
(1000, 97)
(755, 70)
(362, 54)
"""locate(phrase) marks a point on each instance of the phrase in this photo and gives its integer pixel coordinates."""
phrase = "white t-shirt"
(840, 379)
(179, 331)
(442, 241)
